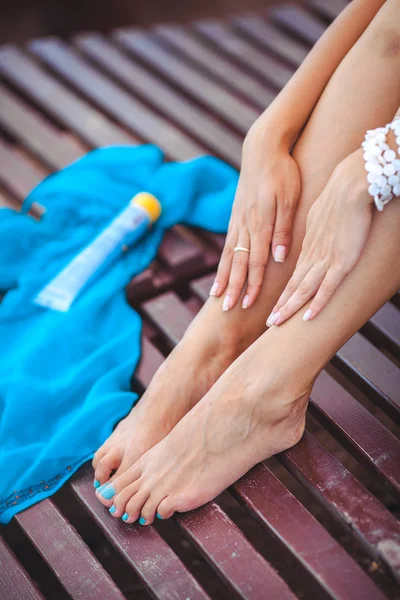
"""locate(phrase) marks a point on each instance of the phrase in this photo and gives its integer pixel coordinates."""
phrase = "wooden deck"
(316, 521)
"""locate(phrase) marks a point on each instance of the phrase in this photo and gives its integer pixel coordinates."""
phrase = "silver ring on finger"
(241, 249)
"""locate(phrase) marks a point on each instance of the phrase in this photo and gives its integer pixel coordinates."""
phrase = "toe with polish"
(125, 517)
(107, 492)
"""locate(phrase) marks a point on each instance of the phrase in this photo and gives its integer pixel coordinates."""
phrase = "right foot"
(187, 374)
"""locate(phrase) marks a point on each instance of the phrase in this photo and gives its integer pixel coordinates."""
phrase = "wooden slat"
(74, 565)
(102, 91)
(197, 121)
(310, 462)
(299, 21)
(15, 582)
(59, 101)
(226, 40)
(197, 85)
(142, 548)
(35, 132)
(232, 556)
(385, 328)
(285, 517)
(372, 372)
(223, 68)
(329, 9)
(271, 38)
(359, 431)
(350, 503)
(17, 175)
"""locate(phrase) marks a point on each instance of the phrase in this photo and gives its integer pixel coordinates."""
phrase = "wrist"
(273, 133)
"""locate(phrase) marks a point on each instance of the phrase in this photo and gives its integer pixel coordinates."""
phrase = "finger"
(225, 265)
(301, 270)
(256, 269)
(305, 291)
(238, 274)
(282, 235)
(331, 282)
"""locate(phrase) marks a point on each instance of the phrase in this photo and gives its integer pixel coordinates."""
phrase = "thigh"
(363, 93)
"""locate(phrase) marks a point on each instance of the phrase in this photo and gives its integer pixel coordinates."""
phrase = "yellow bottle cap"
(149, 203)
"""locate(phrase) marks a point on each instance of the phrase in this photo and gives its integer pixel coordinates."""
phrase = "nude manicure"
(226, 303)
(214, 288)
(273, 317)
(245, 302)
(307, 315)
(280, 254)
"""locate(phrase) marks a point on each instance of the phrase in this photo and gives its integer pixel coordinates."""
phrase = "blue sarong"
(65, 377)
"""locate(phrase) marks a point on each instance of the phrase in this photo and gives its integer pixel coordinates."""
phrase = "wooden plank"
(29, 126)
(270, 37)
(372, 372)
(233, 46)
(58, 101)
(358, 430)
(74, 565)
(231, 554)
(198, 86)
(113, 99)
(17, 174)
(200, 123)
(384, 328)
(303, 536)
(349, 501)
(223, 68)
(296, 19)
(15, 582)
(330, 9)
(142, 548)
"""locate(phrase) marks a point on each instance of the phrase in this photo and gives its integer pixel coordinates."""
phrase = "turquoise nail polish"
(112, 509)
(96, 483)
(159, 516)
(142, 521)
(125, 517)
(107, 492)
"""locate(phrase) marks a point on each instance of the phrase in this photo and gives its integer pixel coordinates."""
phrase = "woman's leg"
(363, 93)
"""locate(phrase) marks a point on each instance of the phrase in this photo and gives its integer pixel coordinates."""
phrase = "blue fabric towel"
(64, 377)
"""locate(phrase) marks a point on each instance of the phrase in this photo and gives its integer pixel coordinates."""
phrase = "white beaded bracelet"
(382, 164)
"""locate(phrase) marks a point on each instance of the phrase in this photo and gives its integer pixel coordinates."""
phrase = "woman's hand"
(262, 215)
(337, 229)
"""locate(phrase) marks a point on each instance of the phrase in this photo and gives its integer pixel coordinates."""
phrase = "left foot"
(250, 414)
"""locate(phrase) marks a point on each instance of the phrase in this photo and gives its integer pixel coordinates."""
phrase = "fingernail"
(226, 303)
(159, 516)
(245, 302)
(108, 492)
(214, 288)
(142, 521)
(125, 517)
(307, 315)
(96, 484)
(112, 509)
(273, 317)
(280, 253)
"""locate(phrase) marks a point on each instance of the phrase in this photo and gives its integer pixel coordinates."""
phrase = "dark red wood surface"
(194, 90)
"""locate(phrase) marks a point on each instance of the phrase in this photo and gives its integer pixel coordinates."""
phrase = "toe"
(135, 505)
(107, 464)
(107, 493)
(166, 508)
(121, 500)
(148, 512)
(102, 451)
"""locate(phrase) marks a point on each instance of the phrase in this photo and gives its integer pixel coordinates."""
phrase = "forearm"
(288, 113)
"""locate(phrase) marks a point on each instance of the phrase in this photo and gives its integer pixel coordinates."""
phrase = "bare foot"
(250, 414)
(187, 374)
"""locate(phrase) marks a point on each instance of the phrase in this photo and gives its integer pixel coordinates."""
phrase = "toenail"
(112, 509)
(159, 516)
(107, 492)
(142, 521)
(125, 517)
(96, 483)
